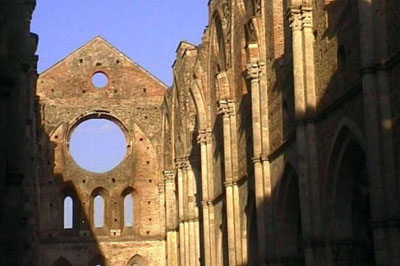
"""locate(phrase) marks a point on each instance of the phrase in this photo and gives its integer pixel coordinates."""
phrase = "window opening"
(98, 145)
(99, 80)
(68, 212)
(128, 210)
(98, 211)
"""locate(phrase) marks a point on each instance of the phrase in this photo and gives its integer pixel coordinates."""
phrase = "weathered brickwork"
(277, 144)
(132, 99)
(296, 112)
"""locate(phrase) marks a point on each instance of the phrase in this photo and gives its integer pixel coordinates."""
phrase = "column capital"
(181, 163)
(226, 107)
(204, 137)
(307, 17)
(254, 71)
(264, 158)
(294, 15)
(169, 176)
(171, 230)
(257, 159)
(230, 183)
(206, 203)
(300, 18)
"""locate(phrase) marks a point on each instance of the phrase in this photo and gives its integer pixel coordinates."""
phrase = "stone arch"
(61, 261)
(97, 114)
(347, 200)
(218, 46)
(167, 137)
(198, 99)
(288, 227)
(346, 131)
(137, 260)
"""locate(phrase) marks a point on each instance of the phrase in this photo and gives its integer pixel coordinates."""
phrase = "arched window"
(98, 211)
(137, 260)
(128, 210)
(68, 212)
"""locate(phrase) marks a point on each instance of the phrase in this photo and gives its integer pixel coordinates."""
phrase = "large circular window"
(98, 145)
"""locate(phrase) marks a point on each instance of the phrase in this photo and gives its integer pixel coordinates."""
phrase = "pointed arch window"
(128, 210)
(98, 211)
(68, 212)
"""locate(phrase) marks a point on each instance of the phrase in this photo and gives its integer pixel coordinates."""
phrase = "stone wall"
(277, 144)
(296, 110)
(132, 99)
(18, 150)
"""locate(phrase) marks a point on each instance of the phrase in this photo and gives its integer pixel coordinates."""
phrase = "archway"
(352, 242)
(289, 241)
(137, 260)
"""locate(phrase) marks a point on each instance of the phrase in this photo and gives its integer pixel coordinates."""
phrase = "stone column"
(304, 91)
(181, 199)
(192, 214)
(253, 74)
(170, 218)
(226, 109)
(204, 139)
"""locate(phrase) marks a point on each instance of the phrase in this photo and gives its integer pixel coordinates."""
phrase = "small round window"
(98, 145)
(99, 80)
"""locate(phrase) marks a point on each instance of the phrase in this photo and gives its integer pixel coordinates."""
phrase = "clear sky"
(148, 31)
(98, 145)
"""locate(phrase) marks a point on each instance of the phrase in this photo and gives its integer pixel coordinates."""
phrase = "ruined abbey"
(278, 143)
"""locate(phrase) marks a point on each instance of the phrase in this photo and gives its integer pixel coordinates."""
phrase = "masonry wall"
(18, 115)
(132, 99)
(296, 110)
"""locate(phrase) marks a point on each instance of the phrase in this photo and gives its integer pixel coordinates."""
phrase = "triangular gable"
(112, 48)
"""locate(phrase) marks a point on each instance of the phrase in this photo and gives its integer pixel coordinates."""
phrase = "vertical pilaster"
(204, 138)
(253, 74)
(170, 218)
(225, 109)
(181, 215)
(305, 104)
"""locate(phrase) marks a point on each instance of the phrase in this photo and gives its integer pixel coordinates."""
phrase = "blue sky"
(98, 145)
(147, 31)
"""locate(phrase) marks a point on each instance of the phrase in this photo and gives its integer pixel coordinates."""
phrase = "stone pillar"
(161, 194)
(227, 109)
(301, 22)
(192, 214)
(181, 199)
(204, 139)
(170, 218)
(253, 74)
